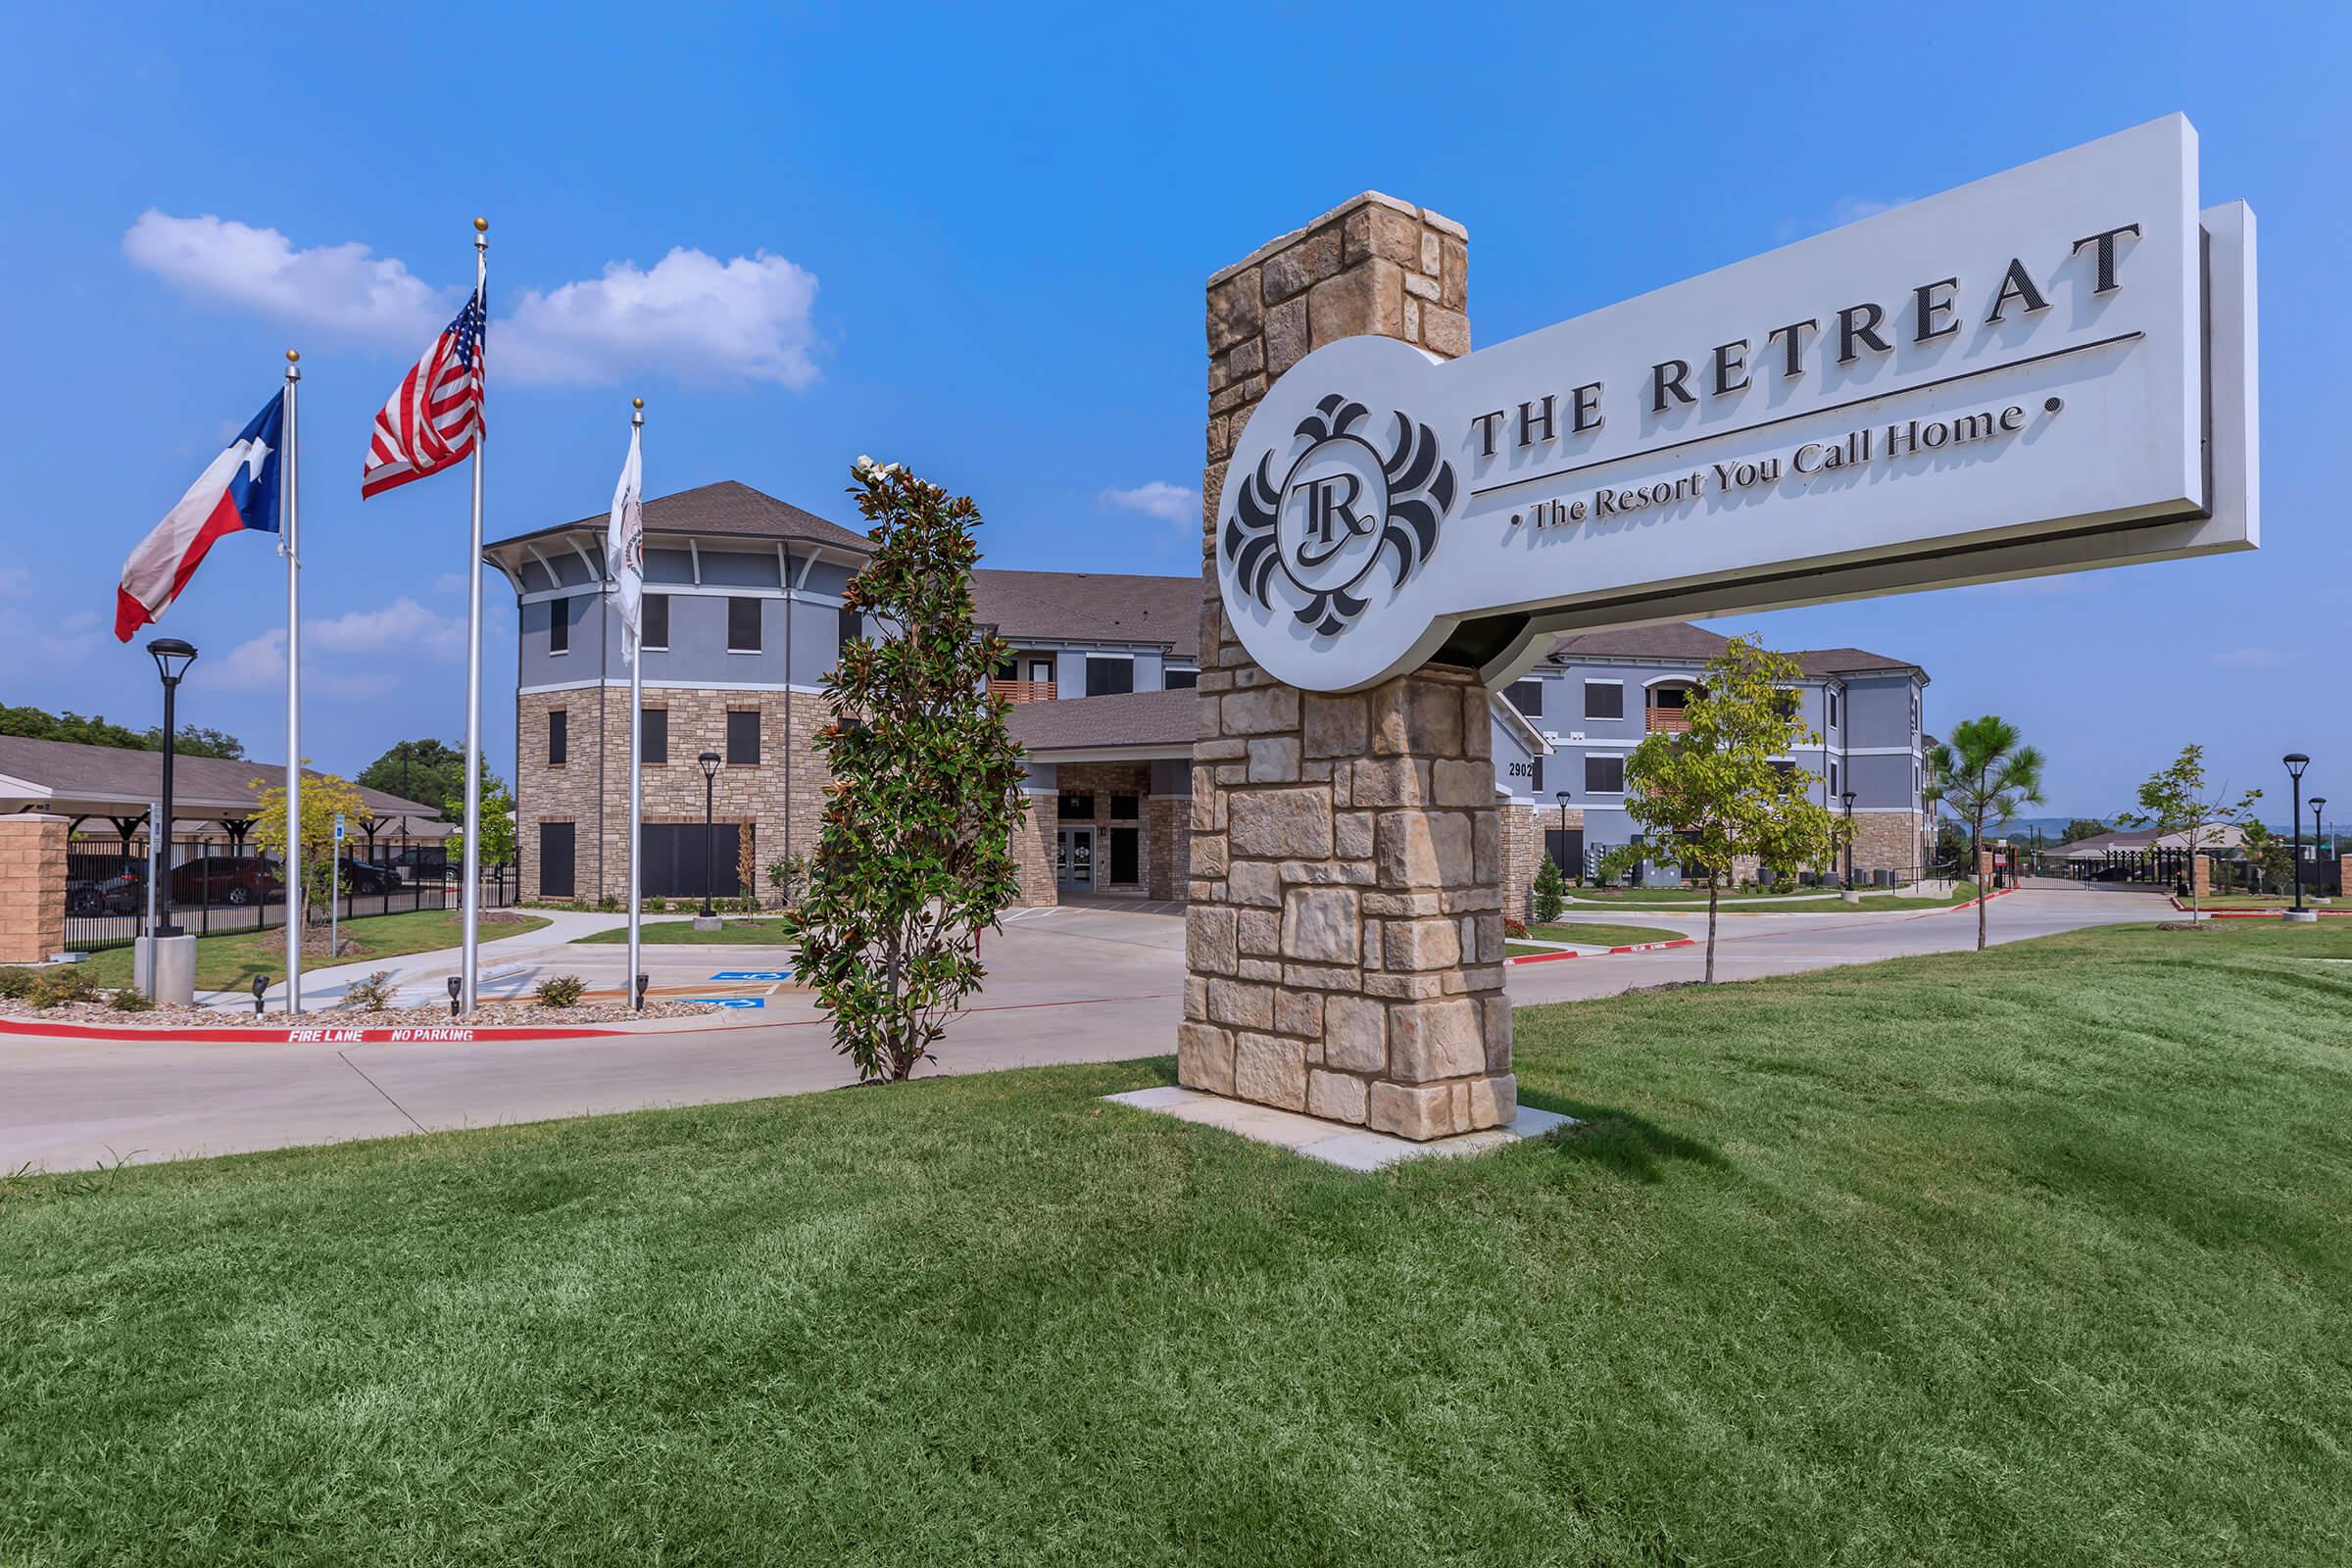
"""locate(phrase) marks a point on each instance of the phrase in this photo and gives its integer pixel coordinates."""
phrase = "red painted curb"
(309, 1034)
(1973, 903)
(1639, 947)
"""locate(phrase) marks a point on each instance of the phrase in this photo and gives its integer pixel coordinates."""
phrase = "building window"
(1535, 787)
(1079, 808)
(1107, 677)
(1040, 670)
(1833, 708)
(1527, 696)
(1604, 698)
(851, 627)
(1834, 789)
(1914, 715)
(743, 735)
(1784, 768)
(555, 861)
(653, 624)
(559, 625)
(652, 735)
(1669, 697)
(1182, 680)
(1784, 702)
(1604, 775)
(742, 625)
(559, 737)
(1007, 669)
(1126, 808)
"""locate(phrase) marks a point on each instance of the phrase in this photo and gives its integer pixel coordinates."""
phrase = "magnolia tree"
(1981, 776)
(1714, 793)
(915, 858)
(2180, 804)
(324, 797)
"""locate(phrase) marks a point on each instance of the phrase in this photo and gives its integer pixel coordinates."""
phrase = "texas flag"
(238, 490)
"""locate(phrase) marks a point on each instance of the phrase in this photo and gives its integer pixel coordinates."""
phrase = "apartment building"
(1593, 699)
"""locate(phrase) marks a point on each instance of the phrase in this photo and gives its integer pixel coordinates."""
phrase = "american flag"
(434, 419)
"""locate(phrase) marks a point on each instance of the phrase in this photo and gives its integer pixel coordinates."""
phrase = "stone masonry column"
(1344, 942)
(32, 887)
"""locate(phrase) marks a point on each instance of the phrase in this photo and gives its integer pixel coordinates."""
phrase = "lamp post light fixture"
(710, 761)
(2296, 762)
(456, 986)
(172, 660)
(1849, 799)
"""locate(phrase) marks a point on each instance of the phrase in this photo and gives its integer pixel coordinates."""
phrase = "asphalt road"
(1065, 984)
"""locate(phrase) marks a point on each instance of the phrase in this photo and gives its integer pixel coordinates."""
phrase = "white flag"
(624, 550)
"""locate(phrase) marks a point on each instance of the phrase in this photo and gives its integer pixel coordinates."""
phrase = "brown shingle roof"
(74, 774)
(1682, 640)
(728, 507)
(1165, 721)
(1091, 607)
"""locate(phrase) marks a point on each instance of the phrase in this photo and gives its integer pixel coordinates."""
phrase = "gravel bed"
(519, 1014)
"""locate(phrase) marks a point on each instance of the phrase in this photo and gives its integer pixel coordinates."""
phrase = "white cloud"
(1170, 503)
(2250, 658)
(691, 316)
(14, 582)
(343, 288)
(401, 628)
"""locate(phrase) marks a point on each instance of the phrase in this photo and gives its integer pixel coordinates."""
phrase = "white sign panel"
(2044, 370)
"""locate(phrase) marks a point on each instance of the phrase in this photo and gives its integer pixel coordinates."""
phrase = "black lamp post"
(1849, 799)
(1561, 796)
(172, 660)
(2295, 762)
(2319, 842)
(710, 761)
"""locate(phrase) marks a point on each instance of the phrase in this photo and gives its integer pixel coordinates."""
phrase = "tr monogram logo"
(1339, 509)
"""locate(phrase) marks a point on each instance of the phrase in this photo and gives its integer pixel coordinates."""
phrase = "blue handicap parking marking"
(729, 1001)
(750, 974)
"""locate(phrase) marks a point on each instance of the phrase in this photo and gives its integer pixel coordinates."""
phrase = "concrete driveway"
(1093, 984)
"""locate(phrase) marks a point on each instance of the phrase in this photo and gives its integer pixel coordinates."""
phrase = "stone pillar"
(1344, 944)
(1522, 846)
(32, 887)
(2343, 874)
(2200, 876)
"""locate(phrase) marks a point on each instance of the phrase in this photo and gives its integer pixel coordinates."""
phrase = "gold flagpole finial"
(481, 225)
(293, 356)
(636, 402)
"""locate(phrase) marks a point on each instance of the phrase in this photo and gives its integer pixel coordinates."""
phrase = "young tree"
(1981, 776)
(916, 857)
(2081, 828)
(2272, 857)
(322, 796)
(498, 821)
(2177, 802)
(1713, 793)
(1551, 892)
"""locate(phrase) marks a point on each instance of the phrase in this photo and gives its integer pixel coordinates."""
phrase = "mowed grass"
(2036, 1256)
(735, 931)
(1602, 934)
(229, 961)
(1801, 902)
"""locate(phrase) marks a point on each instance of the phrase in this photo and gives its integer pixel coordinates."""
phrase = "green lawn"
(735, 931)
(1600, 934)
(1679, 896)
(2267, 901)
(231, 960)
(2036, 1256)
(1813, 902)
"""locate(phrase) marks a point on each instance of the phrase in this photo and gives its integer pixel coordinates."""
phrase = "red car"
(234, 879)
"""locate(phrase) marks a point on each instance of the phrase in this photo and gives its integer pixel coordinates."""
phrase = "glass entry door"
(1074, 859)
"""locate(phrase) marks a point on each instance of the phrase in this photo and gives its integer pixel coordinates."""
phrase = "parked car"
(419, 863)
(369, 877)
(232, 879)
(122, 892)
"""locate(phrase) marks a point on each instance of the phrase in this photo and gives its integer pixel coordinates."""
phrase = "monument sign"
(2044, 370)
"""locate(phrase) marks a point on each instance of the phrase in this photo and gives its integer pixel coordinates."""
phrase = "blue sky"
(975, 240)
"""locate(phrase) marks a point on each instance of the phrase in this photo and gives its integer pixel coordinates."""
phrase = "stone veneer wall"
(782, 798)
(1168, 846)
(32, 887)
(1033, 852)
(1521, 845)
(1344, 944)
(1894, 841)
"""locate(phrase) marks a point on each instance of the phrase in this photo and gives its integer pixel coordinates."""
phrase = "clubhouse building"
(743, 619)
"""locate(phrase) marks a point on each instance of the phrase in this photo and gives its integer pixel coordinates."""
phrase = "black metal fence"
(2168, 871)
(217, 886)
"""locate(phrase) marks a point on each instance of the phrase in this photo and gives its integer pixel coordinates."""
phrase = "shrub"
(17, 983)
(561, 991)
(1551, 894)
(1513, 929)
(371, 993)
(654, 904)
(609, 904)
(67, 983)
(126, 1000)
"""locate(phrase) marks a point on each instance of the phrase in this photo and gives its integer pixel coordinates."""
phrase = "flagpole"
(636, 767)
(290, 546)
(470, 895)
